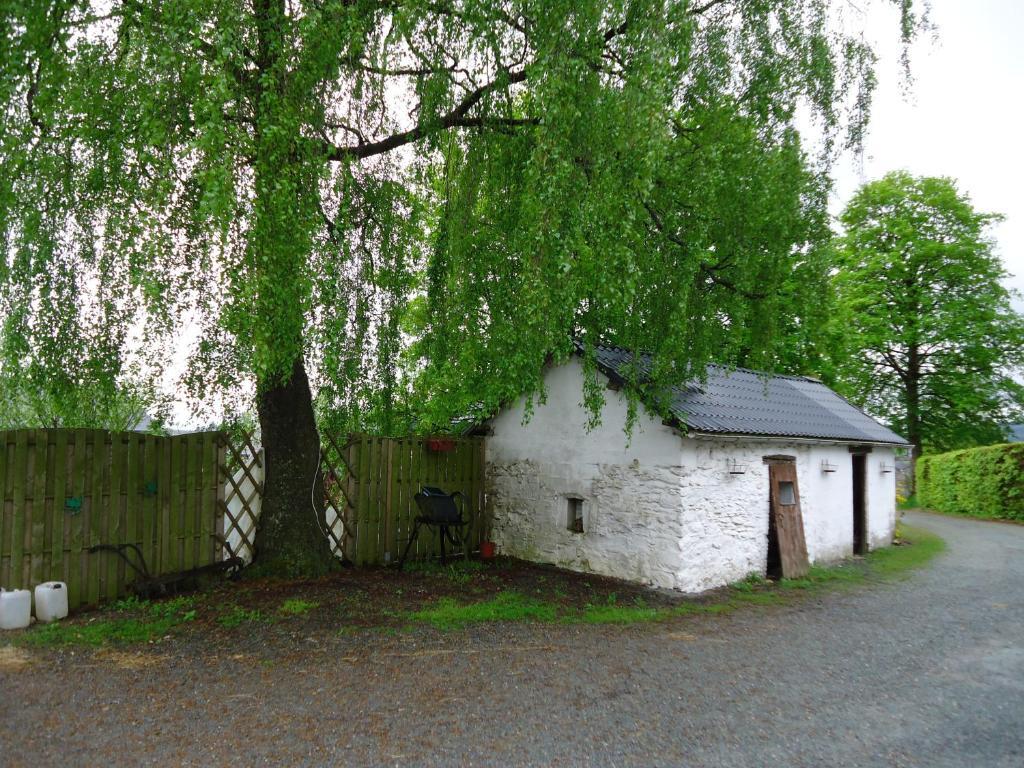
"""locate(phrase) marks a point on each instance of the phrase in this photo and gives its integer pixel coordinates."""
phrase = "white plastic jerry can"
(15, 608)
(51, 601)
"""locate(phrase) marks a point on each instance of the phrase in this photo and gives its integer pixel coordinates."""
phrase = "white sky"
(962, 117)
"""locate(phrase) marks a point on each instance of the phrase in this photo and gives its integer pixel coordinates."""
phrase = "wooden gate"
(64, 490)
(376, 479)
(784, 518)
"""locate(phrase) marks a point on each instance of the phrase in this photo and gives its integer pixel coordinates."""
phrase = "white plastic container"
(51, 601)
(15, 608)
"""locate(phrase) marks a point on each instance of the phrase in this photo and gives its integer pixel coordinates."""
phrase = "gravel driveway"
(923, 672)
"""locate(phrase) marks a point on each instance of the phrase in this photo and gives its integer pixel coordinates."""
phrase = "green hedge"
(980, 482)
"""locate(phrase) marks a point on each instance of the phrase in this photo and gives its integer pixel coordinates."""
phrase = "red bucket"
(487, 550)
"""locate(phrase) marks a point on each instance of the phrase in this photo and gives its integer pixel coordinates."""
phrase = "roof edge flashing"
(736, 436)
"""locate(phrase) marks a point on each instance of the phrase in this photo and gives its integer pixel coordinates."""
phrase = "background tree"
(62, 365)
(932, 340)
(125, 407)
(271, 172)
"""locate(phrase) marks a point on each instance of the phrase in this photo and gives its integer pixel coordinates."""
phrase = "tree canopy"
(304, 181)
(932, 339)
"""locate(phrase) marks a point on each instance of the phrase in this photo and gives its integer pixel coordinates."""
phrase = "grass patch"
(297, 607)
(621, 614)
(238, 616)
(147, 622)
(610, 612)
(457, 571)
(752, 582)
(766, 597)
(509, 605)
(917, 548)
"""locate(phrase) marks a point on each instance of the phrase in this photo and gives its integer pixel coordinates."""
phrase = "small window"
(575, 516)
(787, 494)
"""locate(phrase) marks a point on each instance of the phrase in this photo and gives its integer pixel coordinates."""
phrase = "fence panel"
(63, 491)
(240, 496)
(383, 477)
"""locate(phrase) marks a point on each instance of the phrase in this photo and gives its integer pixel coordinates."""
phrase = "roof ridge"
(722, 366)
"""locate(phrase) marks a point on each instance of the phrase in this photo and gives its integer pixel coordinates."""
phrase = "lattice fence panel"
(242, 470)
(369, 486)
(335, 464)
(243, 473)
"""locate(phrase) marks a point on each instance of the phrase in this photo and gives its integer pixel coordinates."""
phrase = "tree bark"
(913, 395)
(290, 539)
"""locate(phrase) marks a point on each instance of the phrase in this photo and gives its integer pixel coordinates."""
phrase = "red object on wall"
(440, 444)
(486, 550)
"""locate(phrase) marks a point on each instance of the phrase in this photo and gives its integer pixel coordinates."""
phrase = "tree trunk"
(914, 411)
(291, 540)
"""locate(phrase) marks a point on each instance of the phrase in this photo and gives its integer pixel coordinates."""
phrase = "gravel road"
(923, 672)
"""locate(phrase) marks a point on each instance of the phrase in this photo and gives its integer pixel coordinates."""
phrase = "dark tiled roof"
(743, 402)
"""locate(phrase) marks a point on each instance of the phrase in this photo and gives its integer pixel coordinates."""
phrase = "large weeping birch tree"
(281, 184)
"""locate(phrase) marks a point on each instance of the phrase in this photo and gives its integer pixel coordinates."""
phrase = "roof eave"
(702, 435)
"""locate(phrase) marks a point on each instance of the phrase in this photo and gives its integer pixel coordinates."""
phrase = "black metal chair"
(440, 510)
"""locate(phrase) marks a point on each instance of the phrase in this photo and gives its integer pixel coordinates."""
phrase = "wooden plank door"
(785, 517)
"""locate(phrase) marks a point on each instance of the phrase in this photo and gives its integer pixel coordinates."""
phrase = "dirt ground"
(267, 615)
(921, 670)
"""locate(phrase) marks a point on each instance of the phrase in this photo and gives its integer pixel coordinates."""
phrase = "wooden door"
(785, 517)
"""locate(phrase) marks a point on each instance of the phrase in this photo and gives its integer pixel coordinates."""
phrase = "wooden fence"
(65, 490)
(373, 481)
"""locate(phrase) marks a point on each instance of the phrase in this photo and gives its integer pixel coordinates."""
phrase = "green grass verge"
(144, 621)
(509, 605)
(918, 548)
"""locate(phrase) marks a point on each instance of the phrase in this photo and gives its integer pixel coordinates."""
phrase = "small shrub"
(908, 502)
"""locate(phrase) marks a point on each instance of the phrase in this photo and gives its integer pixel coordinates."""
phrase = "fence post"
(389, 523)
(221, 483)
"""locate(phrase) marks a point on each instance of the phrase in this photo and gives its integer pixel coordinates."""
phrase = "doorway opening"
(773, 570)
(860, 522)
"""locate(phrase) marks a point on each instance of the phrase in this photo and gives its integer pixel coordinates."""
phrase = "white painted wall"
(660, 509)
(881, 492)
(826, 500)
(630, 491)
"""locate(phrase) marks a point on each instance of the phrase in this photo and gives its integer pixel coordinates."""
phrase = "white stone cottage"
(684, 503)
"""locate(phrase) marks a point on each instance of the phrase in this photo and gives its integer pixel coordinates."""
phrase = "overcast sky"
(962, 117)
